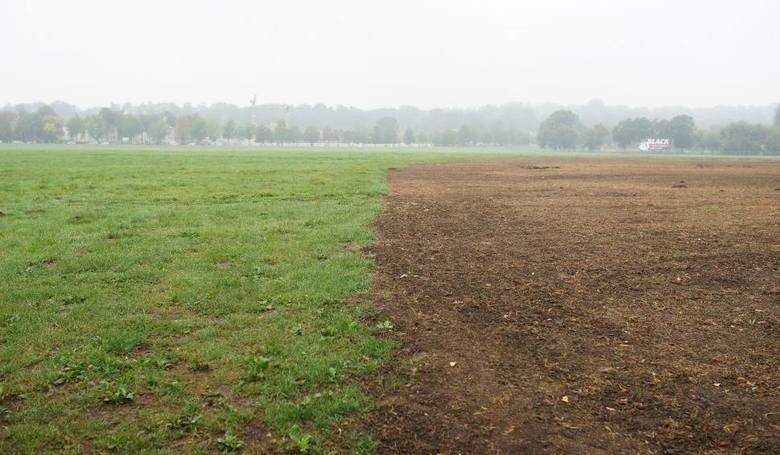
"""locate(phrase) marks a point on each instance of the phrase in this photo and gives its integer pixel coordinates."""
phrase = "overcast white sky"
(391, 53)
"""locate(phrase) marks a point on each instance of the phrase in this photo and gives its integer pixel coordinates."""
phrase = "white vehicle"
(655, 145)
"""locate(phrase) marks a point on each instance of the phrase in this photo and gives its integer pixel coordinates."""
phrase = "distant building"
(655, 145)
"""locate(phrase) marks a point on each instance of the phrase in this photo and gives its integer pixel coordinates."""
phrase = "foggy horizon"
(431, 55)
(260, 103)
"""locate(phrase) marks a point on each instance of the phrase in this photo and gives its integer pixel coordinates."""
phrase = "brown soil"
(581, 305)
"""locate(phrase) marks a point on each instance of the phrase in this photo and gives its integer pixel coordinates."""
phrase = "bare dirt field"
(588, 305)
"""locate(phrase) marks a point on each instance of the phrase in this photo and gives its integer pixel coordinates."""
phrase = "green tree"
(386, 131)
(773, 141)
(329, 134)
(128, 126)
(774, 137)
(7, 123)
(281, 132)
(52, 128)
(199, 128)
(96, 127)
(631, 131)
(596, 137)
(446, 138)
(213, 129)
(248, 132)
(145, 121)
(517, 136)
(169, 118)
(111, 123)
(311, 135)
(560, 130)
(499, 134)
(229, 131)
(29, 127)
(743, 137)
(294, 134)
(264, 134)
(467, 135)
(708, 140)
(408, 136)
(75, 127)
(357, 136)
(45, 110)
(158, 130)
(660, 129)
(681, 131)
(777, 117)
(183, 129)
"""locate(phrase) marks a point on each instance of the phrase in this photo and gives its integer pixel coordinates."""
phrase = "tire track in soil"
(580, 305)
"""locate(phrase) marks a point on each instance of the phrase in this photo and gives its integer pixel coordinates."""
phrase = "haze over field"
(369, 54)
(364, 227)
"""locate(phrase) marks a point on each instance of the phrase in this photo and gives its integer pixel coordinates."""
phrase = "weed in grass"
(116, 393)
(264, 306)
(326, 299)
(162, 361)
(217, 400)
(11, 320)
(333, 374)
(73, 299)
(329, 332)
(385, 325)
(110, 366)
(299, 440)
(198, 366)
(186, 422)
(173, 388)
(229, 442)
(69, 373)
(362, 443)
(256, 368)
(4, 411)
(116, 443)
(123, 343)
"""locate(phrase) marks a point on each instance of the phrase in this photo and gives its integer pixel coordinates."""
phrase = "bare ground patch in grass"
(581, 305)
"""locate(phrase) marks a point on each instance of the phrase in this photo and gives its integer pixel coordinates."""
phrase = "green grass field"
(187, 300)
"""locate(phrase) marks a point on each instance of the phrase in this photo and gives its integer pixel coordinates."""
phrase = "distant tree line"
(506, 124)
(562, 129)
(113, 126)
(523, 116)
